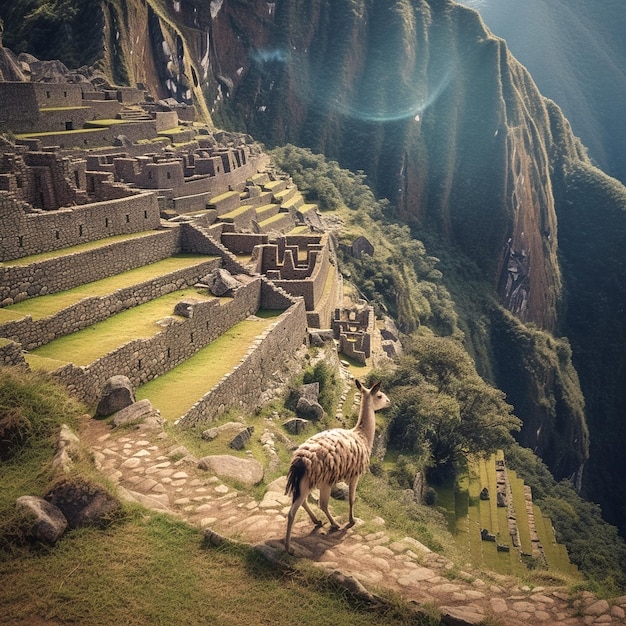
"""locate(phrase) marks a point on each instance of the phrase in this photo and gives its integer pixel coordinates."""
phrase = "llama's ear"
(359, 386)
(375, 387)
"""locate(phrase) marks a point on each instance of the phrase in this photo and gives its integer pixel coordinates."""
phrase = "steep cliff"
(452, 129)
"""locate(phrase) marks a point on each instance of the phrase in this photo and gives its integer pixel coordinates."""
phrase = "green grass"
(275, 218)
(59, 132)
(235, 212)
(156, 570)
(44, 109)
(85, 346)
(222, 196)
(202, 371)
(44, 306)
(106, 123)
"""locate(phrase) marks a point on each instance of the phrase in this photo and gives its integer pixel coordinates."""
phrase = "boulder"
(296, 426)
(461, 616)
(246, 471)
(83, 503)
(309, 410)
(229, 428)
(184, 308)
(241, 438)
(221, 282)
(43, 521)
(135, 413)
(68, 449)
(310, 391)
(340, 491)
(117, 394)
(209, 434)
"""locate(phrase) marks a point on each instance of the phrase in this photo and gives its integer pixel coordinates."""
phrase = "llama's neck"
(366, 424)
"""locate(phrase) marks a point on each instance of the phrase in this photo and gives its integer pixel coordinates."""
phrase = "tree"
(442, 409)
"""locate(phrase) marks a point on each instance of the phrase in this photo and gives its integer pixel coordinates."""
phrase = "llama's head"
(379, 399)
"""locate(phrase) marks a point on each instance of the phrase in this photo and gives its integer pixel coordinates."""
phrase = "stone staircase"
(133, 113)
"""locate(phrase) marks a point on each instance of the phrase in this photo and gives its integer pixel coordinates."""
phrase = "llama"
(333, 455)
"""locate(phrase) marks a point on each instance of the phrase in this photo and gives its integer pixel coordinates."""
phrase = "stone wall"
(19, 282)
(144, 359)
(24, 234)
(98, 137)
(245, 385)
(34, 333)
(196, 239)
(58, 95)
(11, 353)
(243, 243)
(18, 105)
(311, 289)
(61, 119)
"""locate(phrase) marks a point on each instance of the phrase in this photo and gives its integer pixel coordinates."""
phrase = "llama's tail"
(297, 470)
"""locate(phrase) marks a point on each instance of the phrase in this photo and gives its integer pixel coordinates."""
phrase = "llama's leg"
(324, 497)
(314, 518)
(351, 497)
(295, 505)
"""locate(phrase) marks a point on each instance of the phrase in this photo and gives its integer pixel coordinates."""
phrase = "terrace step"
(281, 222)
(85, 346)
(468, 515)
(28, 277)
(295, 201)
(200, 373)
(37, 321)
(266, 211)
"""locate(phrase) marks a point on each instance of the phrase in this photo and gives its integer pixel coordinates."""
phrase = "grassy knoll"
(203, 370)
(85, 346)
(43, 306)
(155, 570)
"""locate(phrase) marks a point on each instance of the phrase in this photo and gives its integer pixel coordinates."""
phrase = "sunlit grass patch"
(156, 570)
(81, 247)
(202, 371)
(85, 346)
(44, 306)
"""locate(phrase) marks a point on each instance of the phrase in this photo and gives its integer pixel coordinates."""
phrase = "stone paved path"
(151, 468)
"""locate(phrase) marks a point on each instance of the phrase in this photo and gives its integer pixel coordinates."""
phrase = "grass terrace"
(59, 132)
(85, 346)
(81, 247)
(44, 306)
(206, 368)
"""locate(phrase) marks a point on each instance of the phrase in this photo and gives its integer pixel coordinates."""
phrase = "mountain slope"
(575, 51)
